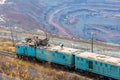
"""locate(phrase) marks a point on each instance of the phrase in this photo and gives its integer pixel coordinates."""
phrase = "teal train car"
(30, 51)
(99, 64)
(20, 49)
(73, 58)
(25, 50)
(56, 54)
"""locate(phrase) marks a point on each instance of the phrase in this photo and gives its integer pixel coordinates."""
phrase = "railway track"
(7, 54)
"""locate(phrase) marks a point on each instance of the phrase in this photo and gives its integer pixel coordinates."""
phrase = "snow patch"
(2, 1)
(2, 18)
(112, 0)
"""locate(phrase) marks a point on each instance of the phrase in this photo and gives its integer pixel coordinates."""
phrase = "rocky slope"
(76, 18)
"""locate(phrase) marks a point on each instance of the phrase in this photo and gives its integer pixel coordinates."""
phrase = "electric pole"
(12, 36)
(92, 38)
(9, 26)
(11, 33)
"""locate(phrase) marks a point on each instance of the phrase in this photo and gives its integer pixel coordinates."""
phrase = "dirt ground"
(15, 69)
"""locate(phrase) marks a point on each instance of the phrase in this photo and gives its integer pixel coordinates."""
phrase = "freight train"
(103, 65)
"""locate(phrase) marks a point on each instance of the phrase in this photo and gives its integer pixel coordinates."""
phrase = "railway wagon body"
(99, 64)
(25, 50)
(20, 49)
(56, 54)
(30, 51)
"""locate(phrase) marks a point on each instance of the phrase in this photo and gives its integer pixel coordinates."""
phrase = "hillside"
(76, 18)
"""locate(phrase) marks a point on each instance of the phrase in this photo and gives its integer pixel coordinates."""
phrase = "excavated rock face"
(70, 18)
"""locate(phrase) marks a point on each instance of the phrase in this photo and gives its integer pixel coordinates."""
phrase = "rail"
(8, 54)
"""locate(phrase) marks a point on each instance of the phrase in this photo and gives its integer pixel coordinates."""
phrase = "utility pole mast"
(92, 38)
(11, 33)
(9, 26)
(12, 36)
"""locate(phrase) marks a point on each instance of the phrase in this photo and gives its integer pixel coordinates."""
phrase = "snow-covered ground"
(2, 20)
(2, 1)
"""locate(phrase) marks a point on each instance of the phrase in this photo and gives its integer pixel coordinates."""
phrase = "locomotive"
(100, 64)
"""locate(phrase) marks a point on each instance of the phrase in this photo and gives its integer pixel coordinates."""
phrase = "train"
(99, 64)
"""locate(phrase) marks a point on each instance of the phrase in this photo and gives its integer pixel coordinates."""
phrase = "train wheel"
(30, 59)
(101, 77)
(26, 58)
(34, 59)
(109, 78)
(81, 71)
(20, 57)
(17, 56)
